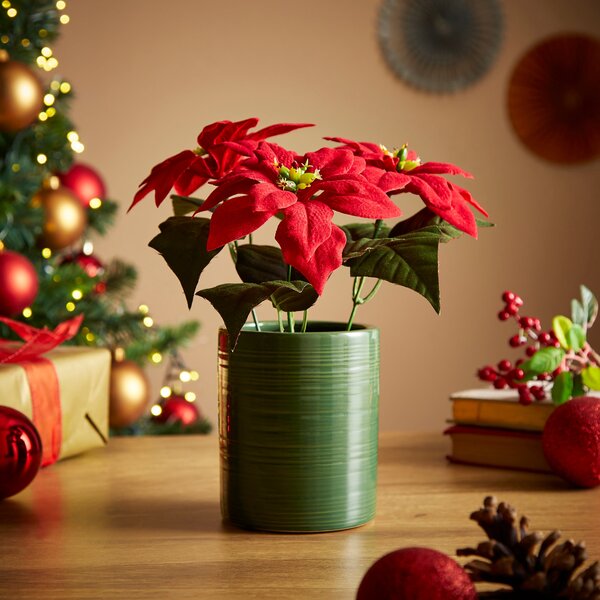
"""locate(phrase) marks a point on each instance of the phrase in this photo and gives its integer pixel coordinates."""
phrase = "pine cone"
(534, 566)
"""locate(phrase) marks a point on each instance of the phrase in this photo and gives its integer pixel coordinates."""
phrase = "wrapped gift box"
(83, 380)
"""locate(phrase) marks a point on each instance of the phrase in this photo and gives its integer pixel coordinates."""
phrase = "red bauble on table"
(416, 574)
(20, 451)
(18, 283)
(85, 182)
(178, 410)
(571, 441)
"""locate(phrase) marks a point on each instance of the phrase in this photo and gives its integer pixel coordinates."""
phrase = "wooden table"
(140, 519)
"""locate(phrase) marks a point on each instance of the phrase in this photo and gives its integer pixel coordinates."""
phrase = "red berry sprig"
(530, 337)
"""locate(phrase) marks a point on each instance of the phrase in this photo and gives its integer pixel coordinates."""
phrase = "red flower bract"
(402, 171)
(214, 157)
(305, 191)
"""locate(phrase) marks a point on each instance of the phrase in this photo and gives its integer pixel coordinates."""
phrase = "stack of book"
(491, 428)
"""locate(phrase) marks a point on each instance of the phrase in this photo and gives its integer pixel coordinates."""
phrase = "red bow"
(41, 376)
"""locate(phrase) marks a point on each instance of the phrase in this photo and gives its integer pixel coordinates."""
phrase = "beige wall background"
(150, 74)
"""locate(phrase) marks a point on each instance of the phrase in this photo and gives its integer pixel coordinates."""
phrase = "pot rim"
(340, 329)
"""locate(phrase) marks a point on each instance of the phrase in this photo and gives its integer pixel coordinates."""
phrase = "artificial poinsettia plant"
(255, 180)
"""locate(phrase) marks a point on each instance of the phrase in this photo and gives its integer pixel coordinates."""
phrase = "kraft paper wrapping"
(83, 377)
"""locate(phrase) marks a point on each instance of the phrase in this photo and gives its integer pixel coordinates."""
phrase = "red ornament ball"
(18, 283)
(20, 451)
(416, 574)
(571, 441)
(88, 262)
(178, 410)
(85, 182)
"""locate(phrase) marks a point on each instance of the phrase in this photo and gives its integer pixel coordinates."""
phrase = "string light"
(143, 309)
(25, 43)
(51, 111)
(1, 245)
(46, 52)
(190, 396)
(49, 99)
(70, 306)
(90, 337)
(15, 167)
(12, 12)
(46, 253)
(88, 248)
(65, 87)
(55, 85)
(156, 410)
(43, 116)
(95, 203)
(77, 147)
(43, 33)
(73, 136)
(4, 39)
(27, 312)
(156, 358)
(61, 5)
(77, 294)
(42, 159)
(165, 391)
(5, 4)
(148, 321)
(64, 19)
(185, 376)
(194, 375)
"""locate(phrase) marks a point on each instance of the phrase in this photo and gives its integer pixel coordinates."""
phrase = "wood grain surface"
(140, 519)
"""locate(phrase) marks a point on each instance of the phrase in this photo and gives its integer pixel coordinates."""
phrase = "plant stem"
(256, 323)
(356, 299)
(378, 224)
(280, 321)
(373, 291)
(305, 321)
(233, 252)
(250, 238)
(290, 316)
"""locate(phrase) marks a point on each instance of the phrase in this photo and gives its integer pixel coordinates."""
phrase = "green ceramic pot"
(298, 424)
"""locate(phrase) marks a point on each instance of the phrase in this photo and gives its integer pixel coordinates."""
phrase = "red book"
(500, 448)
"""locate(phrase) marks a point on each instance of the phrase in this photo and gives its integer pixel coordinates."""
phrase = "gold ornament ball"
(65, 219)
(129, 393)
(21, 95)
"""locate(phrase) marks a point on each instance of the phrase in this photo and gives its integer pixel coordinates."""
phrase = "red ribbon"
(41, 376)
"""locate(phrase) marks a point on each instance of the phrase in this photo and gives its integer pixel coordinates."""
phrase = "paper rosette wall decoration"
(554, 98)
(440, 45)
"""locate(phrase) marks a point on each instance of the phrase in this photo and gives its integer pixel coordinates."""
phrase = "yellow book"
(499, 408)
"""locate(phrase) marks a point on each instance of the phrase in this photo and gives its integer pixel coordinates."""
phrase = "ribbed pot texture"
(298, 425)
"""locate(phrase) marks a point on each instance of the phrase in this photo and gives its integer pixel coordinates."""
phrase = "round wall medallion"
(440, 45)
(554, 98)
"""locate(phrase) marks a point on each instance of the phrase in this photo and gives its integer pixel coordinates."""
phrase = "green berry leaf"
(578, 389)
(543, 361)
(590, 305)
(182, 243)
(576, 337)
(591, 377)
(561, 326)
(562, 388)
(578, 315)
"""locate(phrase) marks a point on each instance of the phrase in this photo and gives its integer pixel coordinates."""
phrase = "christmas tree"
(50, 207)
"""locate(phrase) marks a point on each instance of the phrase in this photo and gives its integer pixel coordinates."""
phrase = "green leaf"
(356, 231)
(257, 264)
(562, 388)
(182, 243)
(410, 261)
(561, 326)
(235, 301)
(543, 361)
(292, 300)
(183, 205)
(590, 305)
(578, 389)
(578, 315)
(425, 219)
(591, 377)
(576, 337)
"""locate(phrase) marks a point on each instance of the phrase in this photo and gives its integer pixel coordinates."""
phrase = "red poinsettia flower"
(402, 171)
(305, 191)
(212, 159)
